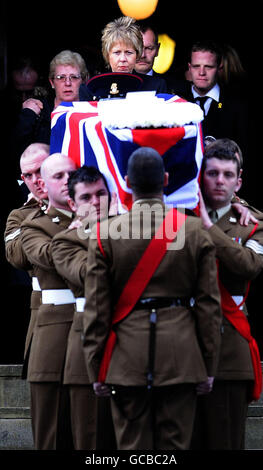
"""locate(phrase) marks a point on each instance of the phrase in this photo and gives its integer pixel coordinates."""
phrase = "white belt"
(80, 304)
(57, 296)
(35, 284)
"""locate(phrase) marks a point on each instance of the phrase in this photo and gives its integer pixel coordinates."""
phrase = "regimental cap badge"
(114, 89)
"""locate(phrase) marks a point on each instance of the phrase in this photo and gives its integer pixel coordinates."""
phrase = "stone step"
(254, 425)
(14, 392)
(15, 419)
(254, 433)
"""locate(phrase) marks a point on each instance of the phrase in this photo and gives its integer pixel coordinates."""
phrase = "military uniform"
(187, 337)
(46, 368)
(17, 257)
(69, 253)
(221, 416)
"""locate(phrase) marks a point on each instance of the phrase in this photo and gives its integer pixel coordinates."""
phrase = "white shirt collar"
(66, 212)
(141, 201)
(214, 93)
(221, 211)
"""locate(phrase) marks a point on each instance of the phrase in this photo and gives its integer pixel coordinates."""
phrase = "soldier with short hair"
(152, 315)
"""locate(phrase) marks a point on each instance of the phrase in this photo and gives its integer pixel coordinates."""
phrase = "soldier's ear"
(238, 184)
(71, 204)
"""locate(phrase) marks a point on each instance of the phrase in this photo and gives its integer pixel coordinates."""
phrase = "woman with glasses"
(67, 71)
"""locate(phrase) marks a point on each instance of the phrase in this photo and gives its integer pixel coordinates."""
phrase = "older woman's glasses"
(64, 78)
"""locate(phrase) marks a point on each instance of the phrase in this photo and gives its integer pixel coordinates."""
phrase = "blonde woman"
(122, 46)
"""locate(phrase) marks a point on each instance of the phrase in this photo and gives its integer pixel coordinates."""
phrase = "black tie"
(202, 100)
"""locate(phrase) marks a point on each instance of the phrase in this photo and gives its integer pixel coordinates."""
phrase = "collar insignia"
(237, 239)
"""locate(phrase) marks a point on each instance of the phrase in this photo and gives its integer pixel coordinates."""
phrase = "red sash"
(139, 279)
(239, 320)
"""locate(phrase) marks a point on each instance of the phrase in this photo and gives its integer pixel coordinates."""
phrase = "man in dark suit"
(225, 115)
(144, 65)
(151, 48)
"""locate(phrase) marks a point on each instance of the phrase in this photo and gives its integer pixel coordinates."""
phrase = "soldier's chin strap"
(140, 277)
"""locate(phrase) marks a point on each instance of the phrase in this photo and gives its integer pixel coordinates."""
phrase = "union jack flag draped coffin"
(78, 131)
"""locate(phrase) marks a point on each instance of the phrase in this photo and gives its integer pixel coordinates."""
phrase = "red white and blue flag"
(78, 132)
